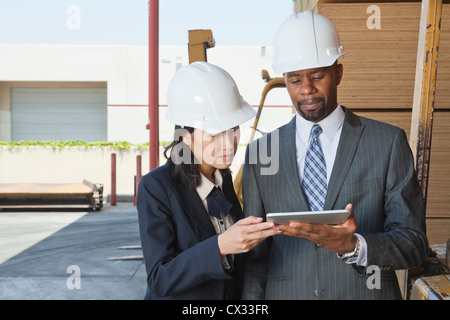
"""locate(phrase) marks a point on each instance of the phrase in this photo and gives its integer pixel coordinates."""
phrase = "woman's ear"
(187, 138)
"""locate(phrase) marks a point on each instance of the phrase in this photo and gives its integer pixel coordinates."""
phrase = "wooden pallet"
(51, 195)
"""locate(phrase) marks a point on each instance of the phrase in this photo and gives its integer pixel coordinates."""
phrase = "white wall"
(70, 165)
(125, 70)
(73, 164)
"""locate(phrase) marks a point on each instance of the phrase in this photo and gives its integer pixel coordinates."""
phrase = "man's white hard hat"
(305, 40)
(204, 96)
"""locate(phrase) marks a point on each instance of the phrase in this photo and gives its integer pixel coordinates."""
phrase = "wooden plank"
(379, 74)
(380, 64)
(51, 195)
(425, 88)
(438, 231)
(438, 199)
(304, 5)
(442, 99)
(199, 41)
(44, 189)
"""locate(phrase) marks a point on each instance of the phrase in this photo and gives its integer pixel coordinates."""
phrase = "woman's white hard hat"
(204, 96)
(305, 40)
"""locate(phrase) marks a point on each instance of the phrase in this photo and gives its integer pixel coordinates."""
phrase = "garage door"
(59, 114)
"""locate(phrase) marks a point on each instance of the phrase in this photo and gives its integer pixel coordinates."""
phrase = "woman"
(191, 223)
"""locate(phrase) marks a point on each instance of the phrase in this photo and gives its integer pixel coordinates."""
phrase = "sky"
(125, 22)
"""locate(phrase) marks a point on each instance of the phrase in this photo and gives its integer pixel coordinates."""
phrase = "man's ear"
(339, 73)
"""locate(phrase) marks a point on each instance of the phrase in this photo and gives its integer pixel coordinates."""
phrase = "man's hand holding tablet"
(338, 238)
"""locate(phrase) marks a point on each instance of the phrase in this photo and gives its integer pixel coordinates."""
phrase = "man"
(331, 159)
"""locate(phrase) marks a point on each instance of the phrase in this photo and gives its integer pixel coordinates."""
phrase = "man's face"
(314, 91)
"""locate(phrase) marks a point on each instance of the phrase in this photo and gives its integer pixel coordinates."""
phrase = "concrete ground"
(63, 255)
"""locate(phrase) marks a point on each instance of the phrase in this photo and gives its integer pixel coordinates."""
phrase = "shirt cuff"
(362, 256)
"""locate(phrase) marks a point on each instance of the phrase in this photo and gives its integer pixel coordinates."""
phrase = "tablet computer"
(319, 217)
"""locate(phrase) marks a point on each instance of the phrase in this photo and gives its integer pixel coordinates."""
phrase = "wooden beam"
(304, 5)
(425, 88)
(423, 103)
(199, 41)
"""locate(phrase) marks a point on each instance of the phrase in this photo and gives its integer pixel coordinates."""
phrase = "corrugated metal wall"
(59, 114)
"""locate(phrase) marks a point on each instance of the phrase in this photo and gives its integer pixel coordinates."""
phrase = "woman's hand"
(244, 235)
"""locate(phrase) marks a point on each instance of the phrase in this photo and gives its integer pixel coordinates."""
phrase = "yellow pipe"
(272, 83)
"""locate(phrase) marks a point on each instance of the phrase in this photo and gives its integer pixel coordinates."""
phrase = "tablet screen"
(319, 217)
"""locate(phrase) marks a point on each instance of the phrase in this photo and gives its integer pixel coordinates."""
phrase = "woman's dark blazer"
(179, 242)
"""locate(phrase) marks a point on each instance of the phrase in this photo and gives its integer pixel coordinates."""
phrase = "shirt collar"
(330, 125)
(206, 185)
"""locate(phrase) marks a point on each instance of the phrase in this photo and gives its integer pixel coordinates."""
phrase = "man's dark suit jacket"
(374, 171)
(179, 242)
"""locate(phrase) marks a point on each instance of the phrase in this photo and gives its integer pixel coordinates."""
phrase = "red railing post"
(138, 175)
(113, 180)
(153, 104)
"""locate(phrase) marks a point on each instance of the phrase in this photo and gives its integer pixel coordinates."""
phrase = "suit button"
(316, 293)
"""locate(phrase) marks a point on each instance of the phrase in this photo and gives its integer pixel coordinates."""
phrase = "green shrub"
(120, 145)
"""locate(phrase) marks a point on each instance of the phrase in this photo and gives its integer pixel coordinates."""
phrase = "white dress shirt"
(220, 225)
(329, 140)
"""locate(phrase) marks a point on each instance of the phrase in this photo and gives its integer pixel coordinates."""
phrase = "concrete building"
(100, 93)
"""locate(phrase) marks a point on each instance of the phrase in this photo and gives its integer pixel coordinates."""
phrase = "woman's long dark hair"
(185, 173)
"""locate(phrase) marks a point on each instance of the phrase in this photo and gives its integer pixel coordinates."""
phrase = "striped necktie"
(314, 181)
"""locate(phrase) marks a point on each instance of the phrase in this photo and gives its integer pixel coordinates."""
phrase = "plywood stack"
(379, 78)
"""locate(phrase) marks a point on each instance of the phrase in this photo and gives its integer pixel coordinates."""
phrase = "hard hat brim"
(215, 125)
(281, 68)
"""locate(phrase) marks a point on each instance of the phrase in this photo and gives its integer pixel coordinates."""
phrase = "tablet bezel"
(318, 217)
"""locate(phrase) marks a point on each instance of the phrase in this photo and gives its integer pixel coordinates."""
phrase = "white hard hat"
(204, 96)
(305, 40)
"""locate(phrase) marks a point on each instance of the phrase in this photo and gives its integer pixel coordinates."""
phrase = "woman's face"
(216, 151)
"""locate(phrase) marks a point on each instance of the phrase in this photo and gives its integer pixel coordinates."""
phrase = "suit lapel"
(348, 143)
(194, 207)
(288, 161)
(192, 204)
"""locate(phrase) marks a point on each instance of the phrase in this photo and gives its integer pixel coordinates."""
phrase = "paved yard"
(64, 255)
